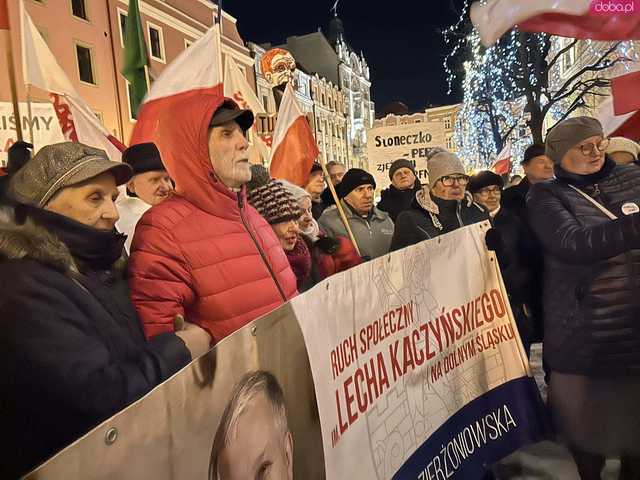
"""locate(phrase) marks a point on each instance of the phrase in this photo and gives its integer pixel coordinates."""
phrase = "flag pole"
(29, 114)
(115, 76)
(11, 69)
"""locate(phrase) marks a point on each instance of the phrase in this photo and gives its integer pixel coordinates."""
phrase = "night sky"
(401, 43)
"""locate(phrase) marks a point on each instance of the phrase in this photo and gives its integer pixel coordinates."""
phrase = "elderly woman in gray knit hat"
(588, 222)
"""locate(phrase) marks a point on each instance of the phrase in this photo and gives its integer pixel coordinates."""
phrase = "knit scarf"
(300, 261)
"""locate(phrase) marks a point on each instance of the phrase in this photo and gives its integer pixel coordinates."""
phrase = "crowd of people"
(118, 274)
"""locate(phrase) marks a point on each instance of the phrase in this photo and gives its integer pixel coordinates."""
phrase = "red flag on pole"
(294, 148)
(625, 91)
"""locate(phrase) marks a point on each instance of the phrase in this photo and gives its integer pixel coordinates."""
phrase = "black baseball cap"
(228, 111)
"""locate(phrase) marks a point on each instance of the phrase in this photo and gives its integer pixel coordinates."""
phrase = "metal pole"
(11, 70)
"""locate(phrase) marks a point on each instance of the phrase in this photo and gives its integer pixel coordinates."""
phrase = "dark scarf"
(585, 180)
(300, 261)
(448, 213)
(93, 249)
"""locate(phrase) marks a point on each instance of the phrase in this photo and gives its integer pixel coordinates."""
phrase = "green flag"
(135, 57)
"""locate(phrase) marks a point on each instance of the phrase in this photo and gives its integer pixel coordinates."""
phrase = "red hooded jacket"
(204, 253)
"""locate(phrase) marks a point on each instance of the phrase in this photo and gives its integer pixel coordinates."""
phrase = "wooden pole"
(11, 70)
(115, 75)
(29, 114)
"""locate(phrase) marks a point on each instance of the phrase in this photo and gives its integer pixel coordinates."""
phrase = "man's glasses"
(588, 148)
(487, 190)
(449, 180)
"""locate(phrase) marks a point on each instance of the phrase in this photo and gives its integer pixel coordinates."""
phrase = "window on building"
(79, 9)
(447, 123)
(265, 102)
(450, 144)
(85, 64)
(187, 43)
(122, 17)
(156, 42)
(569, 58)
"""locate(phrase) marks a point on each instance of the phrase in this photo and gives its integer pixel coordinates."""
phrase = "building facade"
(87, 39)
(320, 99)
(333, 59)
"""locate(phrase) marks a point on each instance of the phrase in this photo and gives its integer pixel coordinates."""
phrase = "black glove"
(18, 154)
(327, 245)
(493, 240)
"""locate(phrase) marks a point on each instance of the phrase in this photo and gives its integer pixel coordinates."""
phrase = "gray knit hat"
(443, 164)
(61, 165)
(568, 133)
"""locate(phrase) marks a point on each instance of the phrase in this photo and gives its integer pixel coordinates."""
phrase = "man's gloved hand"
(493, 240)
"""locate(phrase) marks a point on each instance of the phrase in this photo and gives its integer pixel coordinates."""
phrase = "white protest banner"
(408, 366)
(418, 368)
(44, 124)
(412, 142)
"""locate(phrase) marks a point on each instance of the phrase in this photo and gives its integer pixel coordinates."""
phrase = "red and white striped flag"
(567, 18)
(40, 69)
(294, 148)
(194, 74)
(502, 164)
(237, 88)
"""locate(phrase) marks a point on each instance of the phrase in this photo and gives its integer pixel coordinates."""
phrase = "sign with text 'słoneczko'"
(408, 366)
(412, 142)
(44, 125)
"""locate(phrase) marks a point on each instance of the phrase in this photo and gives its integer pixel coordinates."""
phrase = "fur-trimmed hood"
(33, 242)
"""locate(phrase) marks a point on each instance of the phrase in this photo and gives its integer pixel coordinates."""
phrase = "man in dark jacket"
(72, 351)
(509, 238)
(402, 191)
(538, 168)
(315, 187)
(442, 207)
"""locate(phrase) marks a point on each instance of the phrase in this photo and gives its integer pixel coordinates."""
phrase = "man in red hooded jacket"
(205, 253)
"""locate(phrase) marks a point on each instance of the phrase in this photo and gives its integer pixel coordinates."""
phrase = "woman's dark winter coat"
(72, 351)
(592, 270)
(394, 201)
(418, 224)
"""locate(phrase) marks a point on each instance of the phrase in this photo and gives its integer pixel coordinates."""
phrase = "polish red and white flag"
(41, 70)
(584, 19)
(294, 147)
(196, 71)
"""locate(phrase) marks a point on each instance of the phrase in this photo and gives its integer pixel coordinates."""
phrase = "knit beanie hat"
(484, 179)
(143, 157)
(443, 164)
(621, 144)
(354, 178)
(532, 151)
(401, 163)
(271, 199)
(568, 133)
